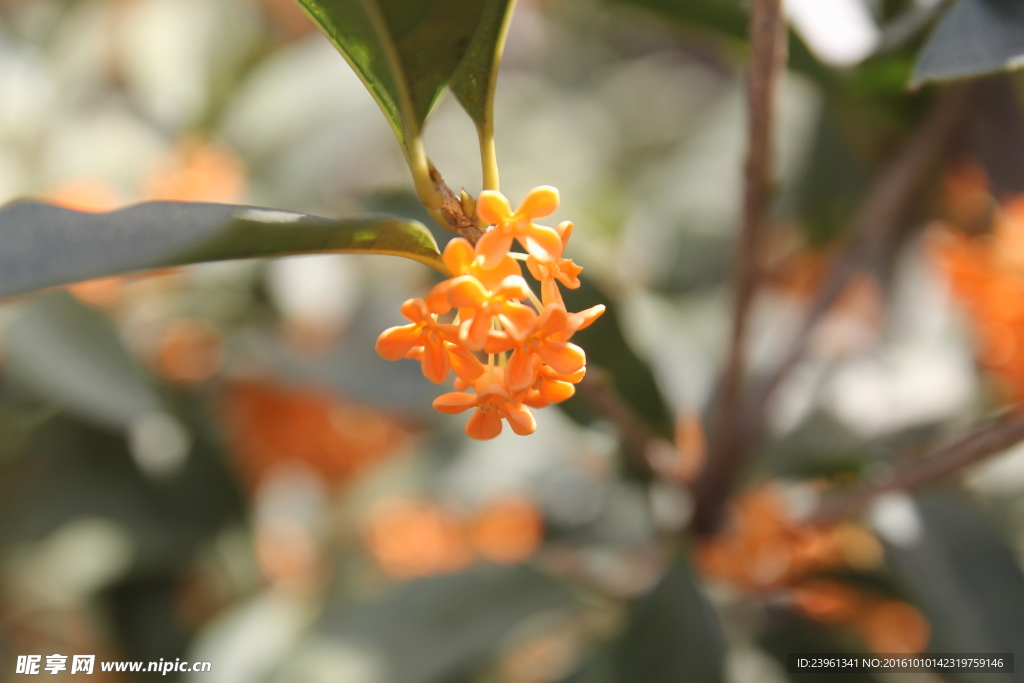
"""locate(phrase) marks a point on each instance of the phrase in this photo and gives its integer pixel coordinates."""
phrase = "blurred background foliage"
(212, 462)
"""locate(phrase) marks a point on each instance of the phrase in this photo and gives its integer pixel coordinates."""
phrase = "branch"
(767, 64)
(876, 226)
(452, 214)
(640, 443)
(919, 472)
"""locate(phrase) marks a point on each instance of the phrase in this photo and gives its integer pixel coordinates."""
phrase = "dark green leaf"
(976, 37)
(72, 357)
(672, 635)
(405, 51)
(966, 580)
(475, 79)
(46, 245)
(438, 629)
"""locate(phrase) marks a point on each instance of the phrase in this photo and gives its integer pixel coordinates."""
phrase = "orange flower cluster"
(531, 362)
(883, 624)
(986, 274)
(269, 425)
(411, 537)
(763, 549)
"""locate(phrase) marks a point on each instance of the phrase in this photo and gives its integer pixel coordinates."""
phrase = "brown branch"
(638, 440)
(876, 226)
(767, 64)
(919, 472)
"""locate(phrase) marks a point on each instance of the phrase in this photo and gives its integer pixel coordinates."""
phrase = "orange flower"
(560, 270)
(541, 242)
(546, 343)
(552, 387)
(492, 401)
(461, 259)
(430, 342)
(478, 307)
(495, 316)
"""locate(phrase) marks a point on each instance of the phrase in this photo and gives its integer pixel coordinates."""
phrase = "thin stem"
(637, 438)
(918, 472)
(876, 227)
(488, 153)
(535, 301)
(767, 64)
(517, 256)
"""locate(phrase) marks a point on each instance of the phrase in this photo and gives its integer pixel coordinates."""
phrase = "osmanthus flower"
(493, 402)
(561, 270)
(495, 313)
(541, 242)
(430, 342)
(461, 259)
(547, 343)
(552, 387)
(479, 307)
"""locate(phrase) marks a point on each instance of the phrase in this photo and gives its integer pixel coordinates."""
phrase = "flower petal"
(484, 425)
(394, 342)
(492, 207)
(466, 366)
(520, 419)
(499, 342)
(538, 202)
(520, 371)
(555, 391)
(534, 399)
(553, 320)
(435, 361)
(541, 242)
(437, 300)
(415, 310)
(493, 246)
(458, 256)
(466, 291)
(491, 277)
(517, 319)
(585, 318)
(564, 230)
(455, 402)
(473, 332)
(564, 357)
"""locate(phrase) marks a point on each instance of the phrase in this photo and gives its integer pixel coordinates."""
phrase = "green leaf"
(405, 51)
(71, 356)
(46, 245)
(474, 81)
(438, 629)
(976, 37)
(965, 578)
(673, 635)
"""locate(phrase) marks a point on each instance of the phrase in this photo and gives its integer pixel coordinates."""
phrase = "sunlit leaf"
(46, 245)
(475, 79)
(976, 37)
(405, 51)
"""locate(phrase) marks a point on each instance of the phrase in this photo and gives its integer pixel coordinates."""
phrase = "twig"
(919, 472)
(767, 63)
(877, 225)
(639, 441)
